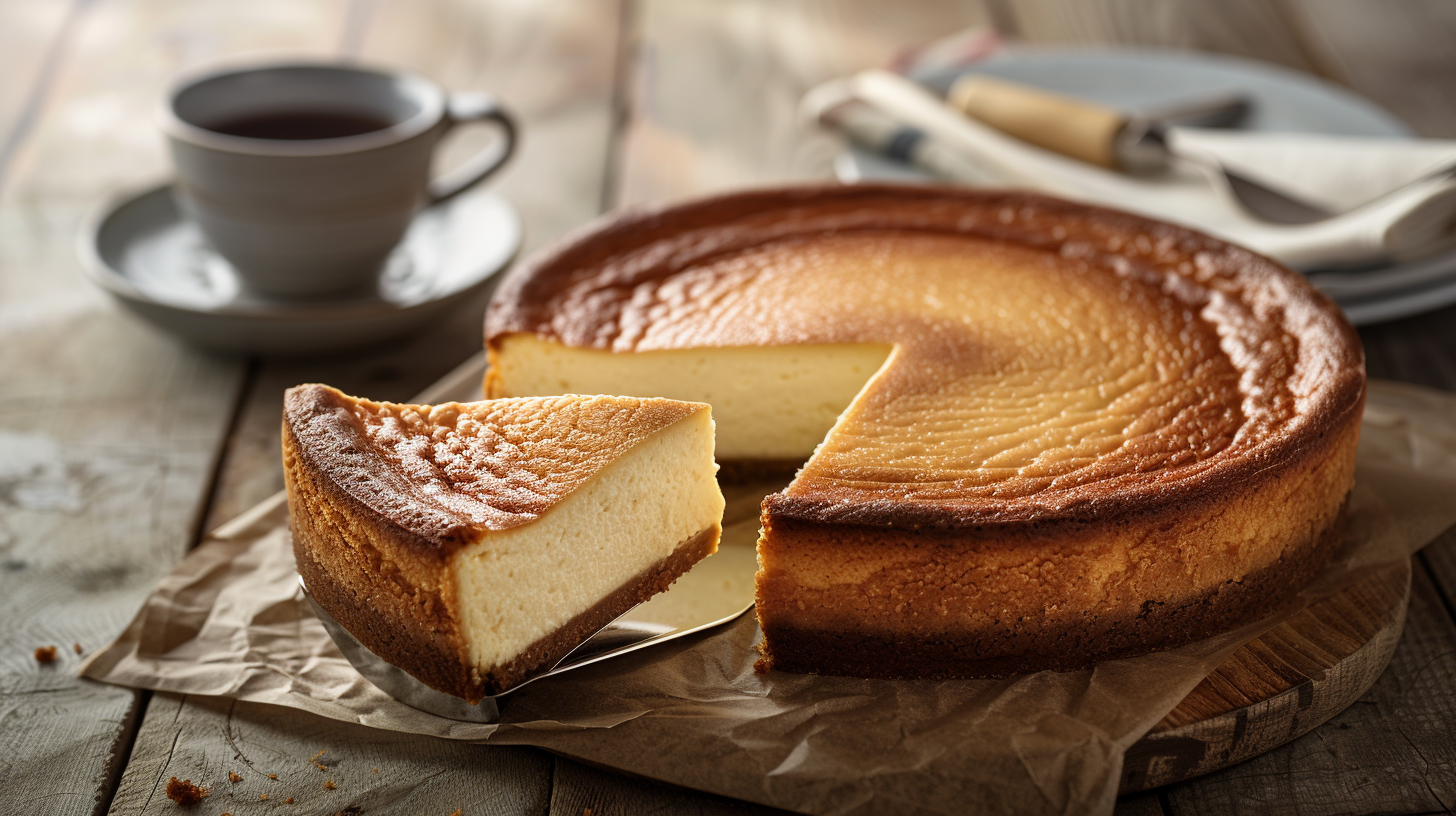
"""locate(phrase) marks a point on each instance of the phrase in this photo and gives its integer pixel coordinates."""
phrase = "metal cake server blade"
(620, 637)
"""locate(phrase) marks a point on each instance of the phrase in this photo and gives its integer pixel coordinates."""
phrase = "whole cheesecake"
(1033, 434)
(475, 545)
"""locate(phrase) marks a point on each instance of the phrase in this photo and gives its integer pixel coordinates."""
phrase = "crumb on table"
(45, 654)
(329, 785)
(234, 777)
(184, 793)
(76, 647)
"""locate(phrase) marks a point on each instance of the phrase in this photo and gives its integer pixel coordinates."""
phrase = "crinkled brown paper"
(230, 621)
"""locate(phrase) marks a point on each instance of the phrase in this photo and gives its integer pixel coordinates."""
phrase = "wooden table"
(119, 445)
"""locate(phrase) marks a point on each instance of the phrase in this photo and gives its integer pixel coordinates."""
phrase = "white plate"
(141, 250)
(1283, 101)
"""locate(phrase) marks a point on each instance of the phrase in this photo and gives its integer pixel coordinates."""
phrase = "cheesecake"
(474, 545)
(1030, 434)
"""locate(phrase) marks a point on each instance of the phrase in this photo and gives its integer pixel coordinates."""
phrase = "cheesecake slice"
(476, 544)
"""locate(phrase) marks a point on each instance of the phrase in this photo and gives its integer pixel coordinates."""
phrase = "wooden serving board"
(1280, 685)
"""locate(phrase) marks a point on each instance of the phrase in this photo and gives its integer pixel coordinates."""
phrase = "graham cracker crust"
(1014, 650)
(434, 662)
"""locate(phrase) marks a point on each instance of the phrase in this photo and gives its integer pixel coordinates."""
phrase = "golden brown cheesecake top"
(446, 471)
(1052, 361)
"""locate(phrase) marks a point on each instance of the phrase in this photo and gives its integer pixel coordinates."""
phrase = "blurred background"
(120, 444)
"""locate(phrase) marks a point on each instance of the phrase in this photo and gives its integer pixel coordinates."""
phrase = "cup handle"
(474, 107)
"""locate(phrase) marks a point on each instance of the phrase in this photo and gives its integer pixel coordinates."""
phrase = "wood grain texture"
(109, 430)
(1391, 752)
(579, 789)
(204, 739)
(1278, 686)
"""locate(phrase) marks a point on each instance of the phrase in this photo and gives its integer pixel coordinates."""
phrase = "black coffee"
(301, 125)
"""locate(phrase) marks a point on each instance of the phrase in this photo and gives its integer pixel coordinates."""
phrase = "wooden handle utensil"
(1049, 120)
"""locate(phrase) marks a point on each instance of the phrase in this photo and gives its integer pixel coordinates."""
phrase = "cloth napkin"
(1389, 209)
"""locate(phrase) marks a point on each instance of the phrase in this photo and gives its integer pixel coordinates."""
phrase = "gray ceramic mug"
(305, 176)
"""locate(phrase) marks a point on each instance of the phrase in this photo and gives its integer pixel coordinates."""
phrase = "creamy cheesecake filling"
(514, 587)
(474, 545)
(768, 403)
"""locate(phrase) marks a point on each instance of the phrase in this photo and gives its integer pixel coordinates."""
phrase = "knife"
(1093, 133)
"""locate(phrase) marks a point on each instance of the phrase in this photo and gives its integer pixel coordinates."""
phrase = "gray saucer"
(141, 250)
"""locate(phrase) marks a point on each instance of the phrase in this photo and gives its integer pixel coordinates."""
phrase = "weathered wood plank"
(319, 766)
(1439, 559)
(581, 789)
(109, 430)
(1391, 752)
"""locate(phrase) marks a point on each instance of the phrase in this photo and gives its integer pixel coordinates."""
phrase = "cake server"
(620, 637)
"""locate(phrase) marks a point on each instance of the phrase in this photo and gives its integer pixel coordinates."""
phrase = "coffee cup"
(306, 175)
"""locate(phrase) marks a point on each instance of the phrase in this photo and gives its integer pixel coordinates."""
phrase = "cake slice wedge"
(476, 544)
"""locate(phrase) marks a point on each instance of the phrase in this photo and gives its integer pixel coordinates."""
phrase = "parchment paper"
(229, 621)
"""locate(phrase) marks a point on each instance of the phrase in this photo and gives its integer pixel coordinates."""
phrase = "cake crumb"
(315, 760)
(262, 796)
(329, 785)
(184, 793)
(234, 777)
(457, 812)
(272, 776)
(76, 647)
(45, 654)
(288, 801)
(376, 770)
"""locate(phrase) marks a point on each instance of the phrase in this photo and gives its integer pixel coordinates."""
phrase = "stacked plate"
(1283, 101)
